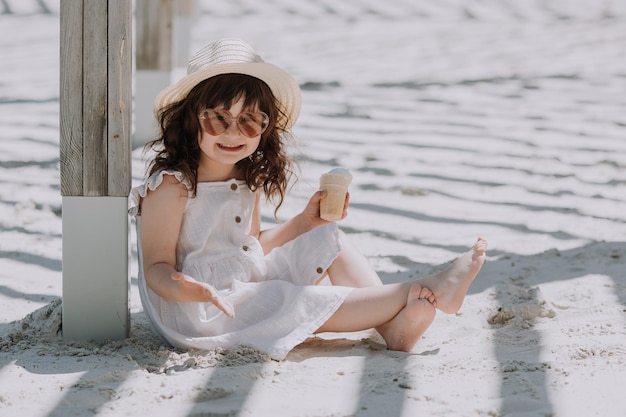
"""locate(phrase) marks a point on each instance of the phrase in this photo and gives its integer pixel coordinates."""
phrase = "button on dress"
(276, 301)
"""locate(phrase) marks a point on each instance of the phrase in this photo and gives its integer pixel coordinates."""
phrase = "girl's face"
(221, 152)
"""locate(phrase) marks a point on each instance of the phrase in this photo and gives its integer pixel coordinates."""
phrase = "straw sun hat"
(228, 56)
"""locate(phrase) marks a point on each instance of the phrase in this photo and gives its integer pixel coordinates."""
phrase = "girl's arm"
(304, 222)
(161, 221)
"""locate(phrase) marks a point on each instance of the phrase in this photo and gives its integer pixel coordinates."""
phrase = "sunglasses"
(250, 124)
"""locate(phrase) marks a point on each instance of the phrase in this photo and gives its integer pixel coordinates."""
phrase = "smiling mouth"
(230, 148)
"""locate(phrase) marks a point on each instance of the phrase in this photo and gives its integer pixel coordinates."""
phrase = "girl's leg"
(405, 328)
(351, 268)
(403, 311)
(449, 286)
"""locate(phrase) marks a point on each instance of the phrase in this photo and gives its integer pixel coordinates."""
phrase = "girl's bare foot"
(406, 328)
(450, 285)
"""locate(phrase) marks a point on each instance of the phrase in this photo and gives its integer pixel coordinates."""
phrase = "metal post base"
(96, 268)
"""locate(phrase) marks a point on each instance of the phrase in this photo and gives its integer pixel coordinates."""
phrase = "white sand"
(457, 119)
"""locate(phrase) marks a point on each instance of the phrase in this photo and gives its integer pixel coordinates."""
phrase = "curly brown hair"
(177, 148)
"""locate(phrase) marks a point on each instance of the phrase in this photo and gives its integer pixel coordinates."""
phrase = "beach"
(457, 119)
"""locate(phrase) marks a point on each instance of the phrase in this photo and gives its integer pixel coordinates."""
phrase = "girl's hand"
(312, 211)
(203, 292)
(304, 222)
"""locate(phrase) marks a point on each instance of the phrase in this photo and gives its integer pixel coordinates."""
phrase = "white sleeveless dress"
(276, 303)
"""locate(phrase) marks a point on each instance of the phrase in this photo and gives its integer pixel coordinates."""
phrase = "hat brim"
(283, 86)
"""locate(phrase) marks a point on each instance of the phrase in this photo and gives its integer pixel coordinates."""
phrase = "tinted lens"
(251, 124)
(216, 122)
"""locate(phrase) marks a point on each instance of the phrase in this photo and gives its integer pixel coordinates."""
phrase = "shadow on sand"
(146, 351)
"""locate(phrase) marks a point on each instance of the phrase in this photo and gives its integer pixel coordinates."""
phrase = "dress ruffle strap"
(151, 184)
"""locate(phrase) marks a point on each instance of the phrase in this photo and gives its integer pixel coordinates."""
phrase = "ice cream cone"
(335, 183)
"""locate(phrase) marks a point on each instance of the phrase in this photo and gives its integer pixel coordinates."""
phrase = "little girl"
(209, 276)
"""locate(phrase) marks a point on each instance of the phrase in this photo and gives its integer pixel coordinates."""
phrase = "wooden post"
(184, 17)
(95, 155)
(163, 38)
